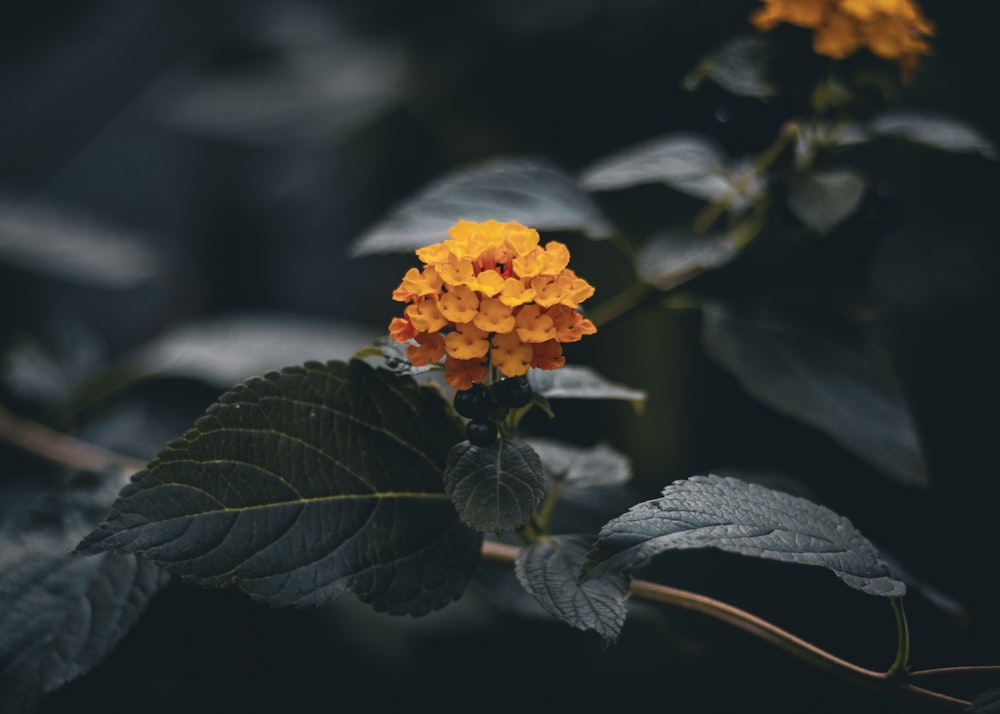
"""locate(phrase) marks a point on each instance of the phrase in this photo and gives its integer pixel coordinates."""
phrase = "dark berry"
(473, 403)
(512, 392)
(481, 432)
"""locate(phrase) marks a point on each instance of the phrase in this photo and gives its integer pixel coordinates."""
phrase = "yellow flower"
(490, 297)
(895, 30)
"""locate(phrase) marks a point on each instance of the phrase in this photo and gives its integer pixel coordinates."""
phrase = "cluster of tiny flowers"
(892, 29)
(490, 295)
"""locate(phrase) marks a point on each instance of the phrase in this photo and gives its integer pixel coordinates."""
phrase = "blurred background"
(180, 183)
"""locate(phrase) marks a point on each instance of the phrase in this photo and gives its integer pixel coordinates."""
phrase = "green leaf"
(831, 381)
(549, 571)
(303, 485)
(61, 616)
(744, 518)
(740, 67)
(533, 192)
(495, 488)
(689, 163)
(578, 382)
(822, 199)
(583, 467)
(677, 255)
(929, 130)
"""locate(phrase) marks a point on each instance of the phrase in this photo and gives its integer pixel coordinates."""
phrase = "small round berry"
(474, 402)
(481, 432)
(512, 392)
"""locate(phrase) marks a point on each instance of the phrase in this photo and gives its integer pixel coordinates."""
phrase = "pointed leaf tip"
(744, 518)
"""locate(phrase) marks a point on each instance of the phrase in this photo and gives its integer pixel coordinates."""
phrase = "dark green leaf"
(833, 382)
(495, 488)
(583, 467)
(740, 67)
(532, 192)
(822, 199)
(739, 517)
(675, 256)
(549, 571)
(60, 616)
(578, 382)
(303, 485)
(933, 131)
(689, 163)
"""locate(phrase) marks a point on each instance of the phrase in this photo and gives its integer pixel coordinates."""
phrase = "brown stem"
(762, 629)
(59, 448)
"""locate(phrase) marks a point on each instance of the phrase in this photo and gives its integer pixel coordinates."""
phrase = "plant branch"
(764, 630)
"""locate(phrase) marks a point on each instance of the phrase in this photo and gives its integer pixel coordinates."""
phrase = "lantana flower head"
(490, 296)
(895, 30)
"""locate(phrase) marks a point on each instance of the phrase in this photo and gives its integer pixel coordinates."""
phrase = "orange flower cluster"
(490, 295)
(892, 29)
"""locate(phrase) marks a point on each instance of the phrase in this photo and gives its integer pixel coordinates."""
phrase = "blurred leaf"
(689, 163)
(226, 349)
(69, 244)
(49, 367)
(740, 66)
(495, 488)
(583, 467)
(675, 256)
(738, 517)
(61, 616)
(822, 199)
(549, 569)
(579, 382)
(840, 386)
(933, 131)
(533, 192)
(303, 485)
(293, 72)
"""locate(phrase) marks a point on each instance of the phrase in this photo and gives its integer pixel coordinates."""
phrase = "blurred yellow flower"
(490, 296)
(895, 30)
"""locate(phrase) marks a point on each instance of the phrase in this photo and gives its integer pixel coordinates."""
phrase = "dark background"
(250, 142)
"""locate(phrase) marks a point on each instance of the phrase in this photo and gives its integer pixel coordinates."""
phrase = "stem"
(66, 451)
(763, 630)
(902, 663)
(704, 220)
(58, 448)
(620, 303)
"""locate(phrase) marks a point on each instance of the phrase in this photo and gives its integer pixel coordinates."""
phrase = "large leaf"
(987, 702)
(822, 199)
(549, 571)
(834, 383)
(495, 488)
(689, 163)
(60, 616)
(533, 192)
(739, 517)
(303, 485)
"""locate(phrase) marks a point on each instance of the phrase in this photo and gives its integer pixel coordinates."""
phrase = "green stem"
(620, 303)
(902, 663)
(704, 220)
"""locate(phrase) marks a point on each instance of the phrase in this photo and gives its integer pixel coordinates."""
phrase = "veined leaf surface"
(302, 485)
